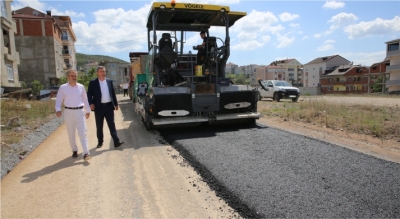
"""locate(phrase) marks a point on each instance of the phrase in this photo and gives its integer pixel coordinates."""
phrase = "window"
(112, 65)
(10, 72)
(113, 73)
(64, 35)
(393, 47)
(3, 10)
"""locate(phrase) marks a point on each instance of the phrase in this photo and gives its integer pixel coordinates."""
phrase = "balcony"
(64, 37)
(392, 67)
(393, 83)
(66, 52)
(392, 53)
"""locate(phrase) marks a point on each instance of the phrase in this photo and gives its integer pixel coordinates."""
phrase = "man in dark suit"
(103, 102)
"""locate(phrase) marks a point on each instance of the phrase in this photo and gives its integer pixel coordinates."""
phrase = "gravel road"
(266, 172)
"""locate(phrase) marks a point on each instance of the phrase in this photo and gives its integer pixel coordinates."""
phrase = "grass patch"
(382, 122)
(19, 117)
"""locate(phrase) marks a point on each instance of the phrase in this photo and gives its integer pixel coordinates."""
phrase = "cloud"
(305, 37)
(341, 20)
(317, 35)
(288, 17)
(18, 4)
(330, 41)
(114, 30)
(333, 4)
(375, 27)
(294, 25)
(363, 58)
(284, 41)
(67, 12)
(248, 41)
(252, 30)
(328, 45)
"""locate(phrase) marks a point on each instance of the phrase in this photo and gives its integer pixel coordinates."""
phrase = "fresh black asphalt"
(264, 172)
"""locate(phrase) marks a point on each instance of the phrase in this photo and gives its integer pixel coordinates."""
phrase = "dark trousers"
(105, 111)
(125, 92)
(201, 54)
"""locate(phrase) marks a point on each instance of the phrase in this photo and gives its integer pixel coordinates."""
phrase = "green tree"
(377, 85)
(86, 78)
(63, 80)
(36, 87)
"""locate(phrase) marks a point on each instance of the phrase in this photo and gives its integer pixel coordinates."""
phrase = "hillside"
(82, 58)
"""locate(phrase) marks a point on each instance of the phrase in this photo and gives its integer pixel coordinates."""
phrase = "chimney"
(48, 13)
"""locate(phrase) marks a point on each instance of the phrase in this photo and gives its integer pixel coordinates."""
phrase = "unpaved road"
(146, 178)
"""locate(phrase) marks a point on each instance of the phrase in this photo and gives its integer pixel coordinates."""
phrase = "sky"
(271, 30)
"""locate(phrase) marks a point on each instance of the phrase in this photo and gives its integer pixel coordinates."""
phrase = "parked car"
(277, 90)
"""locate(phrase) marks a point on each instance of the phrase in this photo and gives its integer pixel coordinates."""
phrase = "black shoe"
(100, 144)
(75, 154)
(87, 157)
(119, 144)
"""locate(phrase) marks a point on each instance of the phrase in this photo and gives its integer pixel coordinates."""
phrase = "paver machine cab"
(178, 89)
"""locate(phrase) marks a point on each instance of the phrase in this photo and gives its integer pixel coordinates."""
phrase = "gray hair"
(71, 70)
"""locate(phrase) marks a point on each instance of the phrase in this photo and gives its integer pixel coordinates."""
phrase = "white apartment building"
(393, 54)
(314, 69)
(9, 55)
(293, 70)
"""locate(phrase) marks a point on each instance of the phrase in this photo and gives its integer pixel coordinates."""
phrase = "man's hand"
(92, 107)
(58, 114)
(116, 107)
(87, 115)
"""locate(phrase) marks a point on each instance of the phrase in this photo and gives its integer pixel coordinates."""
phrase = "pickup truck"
(277, 90)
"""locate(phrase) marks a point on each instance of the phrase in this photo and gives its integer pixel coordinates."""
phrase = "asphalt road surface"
(219, 172)
(269, 173)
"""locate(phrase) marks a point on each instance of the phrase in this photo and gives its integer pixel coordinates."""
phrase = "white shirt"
(125, 85)
(105, 94)
(73, 96)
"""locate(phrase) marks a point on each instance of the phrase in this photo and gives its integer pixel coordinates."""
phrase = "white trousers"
(75, 120)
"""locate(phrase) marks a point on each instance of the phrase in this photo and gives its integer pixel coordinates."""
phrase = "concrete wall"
(39, 59)
(310, 91)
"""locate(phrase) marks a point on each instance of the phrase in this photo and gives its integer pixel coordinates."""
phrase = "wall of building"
(40, 45)
(9, 74)
(311, 74)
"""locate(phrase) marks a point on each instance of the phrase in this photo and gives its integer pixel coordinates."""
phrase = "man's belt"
(74, 108)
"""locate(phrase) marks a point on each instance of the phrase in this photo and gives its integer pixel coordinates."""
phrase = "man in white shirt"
(76, 109)
(125, 86)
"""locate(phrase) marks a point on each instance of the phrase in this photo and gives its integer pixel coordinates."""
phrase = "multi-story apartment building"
(378, 70)
(41, 43)
(118, 72)
(231, 68)
(38, 39)
(294, 70)
(314, 69)
(270, 72)
(68, 39)
(89, 65)
(345, 79)
(393, 55)
(10, 56)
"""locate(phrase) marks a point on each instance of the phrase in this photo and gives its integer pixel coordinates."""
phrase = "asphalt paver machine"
(178, 89)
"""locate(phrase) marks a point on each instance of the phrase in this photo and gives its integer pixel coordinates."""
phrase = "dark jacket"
(94, 93)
